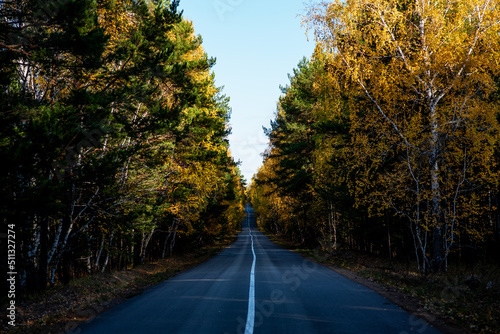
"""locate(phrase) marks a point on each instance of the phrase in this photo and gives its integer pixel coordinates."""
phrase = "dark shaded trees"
(111, 128)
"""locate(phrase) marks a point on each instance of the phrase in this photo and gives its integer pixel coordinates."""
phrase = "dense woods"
(387, 140)
(114, 141)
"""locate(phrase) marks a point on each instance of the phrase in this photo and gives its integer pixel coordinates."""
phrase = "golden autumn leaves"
(415, 82)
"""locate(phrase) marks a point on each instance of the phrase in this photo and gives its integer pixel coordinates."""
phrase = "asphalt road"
(255, 286)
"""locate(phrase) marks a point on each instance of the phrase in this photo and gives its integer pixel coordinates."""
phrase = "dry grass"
(469, 298)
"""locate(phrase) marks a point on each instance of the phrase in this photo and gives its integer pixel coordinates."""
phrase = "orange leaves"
(424, 127)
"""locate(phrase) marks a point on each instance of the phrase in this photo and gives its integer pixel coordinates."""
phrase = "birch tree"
(424, 70)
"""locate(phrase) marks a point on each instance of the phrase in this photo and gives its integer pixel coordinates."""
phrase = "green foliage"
(113, 134)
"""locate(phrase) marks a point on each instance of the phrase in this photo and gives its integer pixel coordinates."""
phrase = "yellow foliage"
(423, 125)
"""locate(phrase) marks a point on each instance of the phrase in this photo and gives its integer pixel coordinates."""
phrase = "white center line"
(251, 292)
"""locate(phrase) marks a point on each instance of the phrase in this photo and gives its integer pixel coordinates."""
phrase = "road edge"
(68, 320)
(404, 301)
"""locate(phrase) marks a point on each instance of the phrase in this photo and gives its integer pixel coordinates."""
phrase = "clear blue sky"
(256, 43)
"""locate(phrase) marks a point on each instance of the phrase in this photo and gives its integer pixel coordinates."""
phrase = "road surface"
(255, 286)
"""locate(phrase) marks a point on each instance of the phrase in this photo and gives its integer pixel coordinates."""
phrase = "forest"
(114, 138)
(387, 140)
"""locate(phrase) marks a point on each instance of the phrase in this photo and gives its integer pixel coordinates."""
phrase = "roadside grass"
(63, 308)
(468, 298)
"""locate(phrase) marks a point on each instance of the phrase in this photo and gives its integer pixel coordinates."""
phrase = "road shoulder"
(62, 309)
(405, 301)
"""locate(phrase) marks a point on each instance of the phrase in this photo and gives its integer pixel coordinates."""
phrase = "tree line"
(114, 144)
(387, 140)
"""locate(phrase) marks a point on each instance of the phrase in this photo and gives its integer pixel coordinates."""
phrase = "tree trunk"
(335, 221)
(55, 244)
(106, 261)
(171, 236)
(146, 243)
(99, 253)
(436, 220)
(42, 264)
(389, 246)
